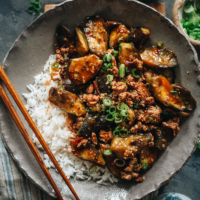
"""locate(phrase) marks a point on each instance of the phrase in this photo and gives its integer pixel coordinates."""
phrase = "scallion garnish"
(173, 92)
(160, 45)
(118, 118)
(120, 47)
(110, 117)
(109, 57)
(121, 39)
(127, 71)
(115, 53)
(123, 132)
(198, 145)
(109, 78)
(112, 109)
(92, 169)
(55, 65)
(107, 152)
(145, 164)
(133, 73)
(122, 70)
(107, 101)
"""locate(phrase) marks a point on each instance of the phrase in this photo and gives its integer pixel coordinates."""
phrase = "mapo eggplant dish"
(123, 104)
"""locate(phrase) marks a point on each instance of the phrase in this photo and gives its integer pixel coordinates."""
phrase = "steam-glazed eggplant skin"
(148, 155)
(97, 36)
(161, 58)
(164, 92)
(81, 42)
(139, 36)
(128, 53)
(111, 24)
(64, 37)
(89, 153)
(93, 124)
(102, 82)
(119, 32)
(132, 142)
(81, 70)
(167, 73)
(67, 101)
(186, 97)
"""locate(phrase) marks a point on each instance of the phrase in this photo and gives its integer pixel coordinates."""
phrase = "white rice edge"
(51, 122)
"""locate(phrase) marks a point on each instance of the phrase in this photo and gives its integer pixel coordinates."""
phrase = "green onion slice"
(110, 117)
(121, 39)
(104, 57)
(173, 92)
(115, 53)
(145, 164)
(124, 134)
(120, 47)
(107, 152)
(31, 9)
(122, 70)
(124, 113)
(55, 65)
(107, 101)
(160, 44)
(198, 145)
(109, 78)
(109, 57)
(112, 109)
(118, 118)
(92, 169)
(127, 71)
(134, 75)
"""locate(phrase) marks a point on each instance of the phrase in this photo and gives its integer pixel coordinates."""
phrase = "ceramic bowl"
(31, 50)
(177, 15)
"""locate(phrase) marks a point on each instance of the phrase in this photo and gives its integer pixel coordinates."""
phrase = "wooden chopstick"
(31, 123)
(28, 139)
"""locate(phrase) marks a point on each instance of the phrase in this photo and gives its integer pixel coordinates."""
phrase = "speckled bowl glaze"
(31, 50)
(177, 15)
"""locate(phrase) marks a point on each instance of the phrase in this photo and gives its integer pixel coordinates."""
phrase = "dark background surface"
(14, 19)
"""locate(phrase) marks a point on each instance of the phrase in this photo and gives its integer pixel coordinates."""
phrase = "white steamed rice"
(51, 122)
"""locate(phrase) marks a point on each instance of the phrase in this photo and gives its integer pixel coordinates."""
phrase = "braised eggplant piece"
(102, 82)
(148, 156)
(64, 37)
(67, 101)
(69, 86)
(164, 92)
(161, 58)
(81, 70)
(167, 73)
(132, 142)
(93, 124)
(139, 36)
(97, 36)
(89, 153)
(81, 42)
(128, 53)
(186, 97)
(119, 32)
(111, 24)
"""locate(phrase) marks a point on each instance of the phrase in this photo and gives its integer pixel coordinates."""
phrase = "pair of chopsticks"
(26, 136)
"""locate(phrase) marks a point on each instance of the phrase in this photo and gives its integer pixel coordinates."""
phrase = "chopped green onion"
(107, 101)
(173, 92)
(115, 53)
(109, 57)
(122, 106)
(36, 2)
(160, 44)
(145, 165)
(72, 103)
(116, 131)
(112, 109)
(55, 65)
(40, 14)
(120, 47)
(127, 71)
(118, 118)
(198, 145)
(124, 113)
(120, 40)
(92, 169)
(104, 57)
(31, 9)
(123, 135)
(107, 152)
(109, 78)
(108, 117)
(38, 7)
(122, 70)
(134, 75)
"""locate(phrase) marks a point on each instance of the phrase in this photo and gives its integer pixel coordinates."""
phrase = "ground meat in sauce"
(144, 116)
